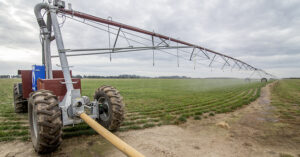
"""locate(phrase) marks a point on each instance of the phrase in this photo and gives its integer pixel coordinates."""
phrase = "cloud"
(263, 33)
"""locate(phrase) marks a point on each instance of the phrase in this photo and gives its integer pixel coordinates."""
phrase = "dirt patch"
(252, 131)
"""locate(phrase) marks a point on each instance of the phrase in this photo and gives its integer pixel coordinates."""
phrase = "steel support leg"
(61, 51)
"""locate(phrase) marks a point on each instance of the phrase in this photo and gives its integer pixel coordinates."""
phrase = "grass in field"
(286, 101)
(285, 155)
(286, 98)
(12, 126)
(149, 102)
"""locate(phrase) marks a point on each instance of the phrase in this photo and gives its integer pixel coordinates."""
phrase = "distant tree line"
(129, 76)
(173, 77)
(116, 77)
(9, 76)
(119, 76)
(293, 78)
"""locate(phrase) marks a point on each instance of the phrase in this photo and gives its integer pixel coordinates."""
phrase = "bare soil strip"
(249, 131)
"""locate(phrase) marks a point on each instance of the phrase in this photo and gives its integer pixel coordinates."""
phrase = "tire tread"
(117, 105)
(49, 121)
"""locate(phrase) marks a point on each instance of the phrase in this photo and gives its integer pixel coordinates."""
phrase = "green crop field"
(149, 102)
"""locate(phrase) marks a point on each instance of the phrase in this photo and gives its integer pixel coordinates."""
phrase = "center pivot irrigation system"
(54, 98)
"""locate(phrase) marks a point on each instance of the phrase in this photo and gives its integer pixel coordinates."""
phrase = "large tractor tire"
(111, 107)
(45, 121)
(20, 104)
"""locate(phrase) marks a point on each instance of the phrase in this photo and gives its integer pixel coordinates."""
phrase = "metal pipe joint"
(37, 11)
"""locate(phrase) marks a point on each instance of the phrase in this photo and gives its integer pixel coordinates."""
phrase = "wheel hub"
(103, 109)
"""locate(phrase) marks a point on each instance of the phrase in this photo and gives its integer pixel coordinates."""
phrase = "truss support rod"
(245, 66)
(233, 66)
(212, 60)
(192, 53)
(115, 43)
(223, 65)
(205, 54)
(159, 43)
(238, 65)
(164, 41)
(126, 38)
(250, 68)
(226, 61)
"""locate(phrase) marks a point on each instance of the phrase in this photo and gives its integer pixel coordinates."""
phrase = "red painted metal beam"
(117, 24)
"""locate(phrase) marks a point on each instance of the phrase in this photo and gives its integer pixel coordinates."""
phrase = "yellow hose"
(121, 145)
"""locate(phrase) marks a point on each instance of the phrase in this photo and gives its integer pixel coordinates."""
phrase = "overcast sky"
(263, 33)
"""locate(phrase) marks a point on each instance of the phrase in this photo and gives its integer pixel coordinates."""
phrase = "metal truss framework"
(141, 40)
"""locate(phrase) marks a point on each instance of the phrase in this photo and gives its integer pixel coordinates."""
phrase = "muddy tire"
(45, 121)
(20, 104)
(111, 107)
